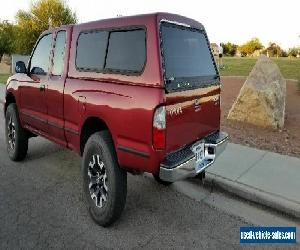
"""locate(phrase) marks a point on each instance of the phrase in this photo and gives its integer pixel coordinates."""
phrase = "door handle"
(42, 87)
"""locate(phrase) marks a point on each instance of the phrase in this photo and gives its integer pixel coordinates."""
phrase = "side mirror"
(20, 67)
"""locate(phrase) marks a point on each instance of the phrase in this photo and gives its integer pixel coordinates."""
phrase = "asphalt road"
(42, 206)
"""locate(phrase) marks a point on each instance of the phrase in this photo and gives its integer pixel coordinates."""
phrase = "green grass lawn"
(3, 78)
(234, 66)
(290, 68)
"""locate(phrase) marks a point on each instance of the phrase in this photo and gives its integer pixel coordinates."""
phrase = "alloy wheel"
(98, 181)
(11, 133)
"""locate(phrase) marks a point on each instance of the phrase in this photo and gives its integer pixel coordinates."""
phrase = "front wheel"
(16, 136)
(104, 182)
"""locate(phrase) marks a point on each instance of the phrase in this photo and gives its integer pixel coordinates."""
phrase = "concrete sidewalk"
(2, 93)
(263, 177)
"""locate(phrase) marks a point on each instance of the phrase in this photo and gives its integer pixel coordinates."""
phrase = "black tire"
(160, 181)
(110, 182)
(17, 141)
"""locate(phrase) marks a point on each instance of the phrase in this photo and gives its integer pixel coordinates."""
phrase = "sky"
(235, 21)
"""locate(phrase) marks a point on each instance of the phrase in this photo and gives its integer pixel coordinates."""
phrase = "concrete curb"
(272, 201)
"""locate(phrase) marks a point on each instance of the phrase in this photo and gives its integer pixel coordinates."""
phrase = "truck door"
(55, 86)
(33, 109)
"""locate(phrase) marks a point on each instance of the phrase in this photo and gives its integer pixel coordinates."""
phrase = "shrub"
(230, 49)
(293, 52)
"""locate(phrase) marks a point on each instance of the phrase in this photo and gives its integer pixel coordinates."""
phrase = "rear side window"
(121, 51)
(91, 51)
(126, 51)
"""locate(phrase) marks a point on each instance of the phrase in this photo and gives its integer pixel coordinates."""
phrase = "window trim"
(53, 51)
(113, 71)
(34, 48)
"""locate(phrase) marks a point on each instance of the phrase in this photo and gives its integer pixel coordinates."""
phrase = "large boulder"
(261, 100)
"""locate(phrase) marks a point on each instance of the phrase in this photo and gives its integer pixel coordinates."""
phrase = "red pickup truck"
(130, 94)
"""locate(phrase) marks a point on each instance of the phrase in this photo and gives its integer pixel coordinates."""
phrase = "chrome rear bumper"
(182, 164)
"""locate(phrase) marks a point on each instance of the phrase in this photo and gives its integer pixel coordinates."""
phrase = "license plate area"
(199, 152)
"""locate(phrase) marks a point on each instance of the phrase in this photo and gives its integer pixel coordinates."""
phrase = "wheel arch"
(90, 126)
(10, 98)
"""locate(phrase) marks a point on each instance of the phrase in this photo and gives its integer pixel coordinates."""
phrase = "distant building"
(6, 59)
(214, 49)
(238, 53)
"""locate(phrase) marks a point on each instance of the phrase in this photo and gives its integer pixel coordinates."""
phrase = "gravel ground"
(285, 141)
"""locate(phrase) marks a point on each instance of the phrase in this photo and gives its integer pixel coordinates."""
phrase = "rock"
(261, 100)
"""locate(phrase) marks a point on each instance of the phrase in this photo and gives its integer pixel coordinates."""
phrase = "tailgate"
(191, 115)
(192, 84)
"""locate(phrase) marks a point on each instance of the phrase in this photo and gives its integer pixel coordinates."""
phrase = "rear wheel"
(104, 182)
(16, 136)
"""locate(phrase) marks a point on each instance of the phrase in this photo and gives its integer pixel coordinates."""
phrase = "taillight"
(159, 128)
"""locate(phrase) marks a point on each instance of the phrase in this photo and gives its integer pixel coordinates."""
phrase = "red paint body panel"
(33, 103)
(195, 121)
(125, 103)
(124, 109)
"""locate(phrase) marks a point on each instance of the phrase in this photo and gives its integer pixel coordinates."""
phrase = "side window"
(40, 62)
(59, 53)
(91, 50)
(126, 51)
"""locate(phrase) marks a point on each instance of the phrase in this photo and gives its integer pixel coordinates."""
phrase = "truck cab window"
(91, 50)
(39, 64)
(59, 52)
(126, 51)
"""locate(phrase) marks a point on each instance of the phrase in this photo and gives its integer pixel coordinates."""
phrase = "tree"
(274, 50)
(293, 52)
(249, 47)
(43, 14)
(7, 36)
(229, 49)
